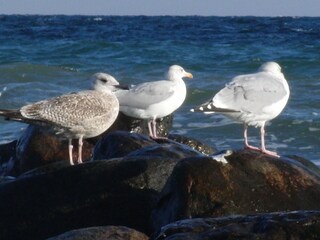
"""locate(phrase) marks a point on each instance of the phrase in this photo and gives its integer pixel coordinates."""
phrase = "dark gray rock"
(44, 203)
(36, 148)
(193, 143)
(7, 153)
(273, 226)
(249, 183)
(119, 144)
(130, 124)
(102, 233)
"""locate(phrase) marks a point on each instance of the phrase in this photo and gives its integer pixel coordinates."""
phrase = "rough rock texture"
(102, 233)
(114, 192)
(193, 143)
(249, 183)
(118, 191)
(121, 144)
(299, 225)
(130, 124)
(36, 147)
(146, 184)
(7, 152)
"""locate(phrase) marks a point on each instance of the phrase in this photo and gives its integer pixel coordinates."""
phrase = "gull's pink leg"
(263, 146)
(150, 129)
(153, 129)
(70, 151)
(245, 136)
(80, 144)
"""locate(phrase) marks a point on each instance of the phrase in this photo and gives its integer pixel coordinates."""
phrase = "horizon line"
(154, 15)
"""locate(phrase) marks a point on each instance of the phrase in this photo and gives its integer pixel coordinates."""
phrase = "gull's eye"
(104, 80)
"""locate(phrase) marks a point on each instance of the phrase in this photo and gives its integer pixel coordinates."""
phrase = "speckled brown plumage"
(77, 115)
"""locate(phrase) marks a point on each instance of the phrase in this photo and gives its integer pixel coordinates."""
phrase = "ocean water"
(44, 56)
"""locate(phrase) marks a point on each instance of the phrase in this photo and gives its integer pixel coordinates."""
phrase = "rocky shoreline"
(133, 187)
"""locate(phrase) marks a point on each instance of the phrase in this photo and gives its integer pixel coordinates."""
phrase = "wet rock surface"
(36, 147)
(134, 181)
(121, 144)
(131, 124)
(276, 226)
(102, 233)
(249, 183)
(114, 191)
(91, 194)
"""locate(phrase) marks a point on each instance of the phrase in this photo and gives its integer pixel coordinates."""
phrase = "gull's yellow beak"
(188, 75)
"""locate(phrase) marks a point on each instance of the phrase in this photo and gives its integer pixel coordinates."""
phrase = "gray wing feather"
(250, 93)
(146, 94)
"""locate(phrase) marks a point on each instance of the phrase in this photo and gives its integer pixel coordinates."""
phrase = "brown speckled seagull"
(78, 115)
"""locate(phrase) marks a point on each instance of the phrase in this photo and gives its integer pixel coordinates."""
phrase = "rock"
(46, 202)
(117, 191)
(121, 144)
(36, 148)
(249, 183)
(171, 150)
(193, 143)
(102, 233)
(7, 152)
(305, 162)
(276, 226)
(130, 124)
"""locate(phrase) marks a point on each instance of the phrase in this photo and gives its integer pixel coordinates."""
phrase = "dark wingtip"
(209, 107)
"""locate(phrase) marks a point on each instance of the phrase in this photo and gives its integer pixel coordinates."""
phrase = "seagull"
(252, 99)
(103, 81)
(77, 115)
(150, 100)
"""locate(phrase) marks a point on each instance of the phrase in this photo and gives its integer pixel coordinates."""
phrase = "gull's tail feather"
(9, 114)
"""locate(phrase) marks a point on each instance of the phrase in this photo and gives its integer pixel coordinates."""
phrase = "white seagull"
(78, 115)
(149, 100)
(252, 99)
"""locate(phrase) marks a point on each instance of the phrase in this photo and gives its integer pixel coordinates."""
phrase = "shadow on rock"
(275, 226)
(248, 183)
(102, 233)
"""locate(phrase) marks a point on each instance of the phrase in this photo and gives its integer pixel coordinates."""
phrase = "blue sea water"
(44, 56)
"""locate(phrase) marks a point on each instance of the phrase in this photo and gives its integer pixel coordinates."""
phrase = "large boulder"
(121, 144)
(145, 184)
(249, 182)
(102, 233)
(136, 125)
(7, 153)
(115, 192)
(276, 226)
(36, 147)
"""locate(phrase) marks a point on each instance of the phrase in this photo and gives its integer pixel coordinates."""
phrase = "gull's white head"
(103, 81)
(176, 72)
(271, 67)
